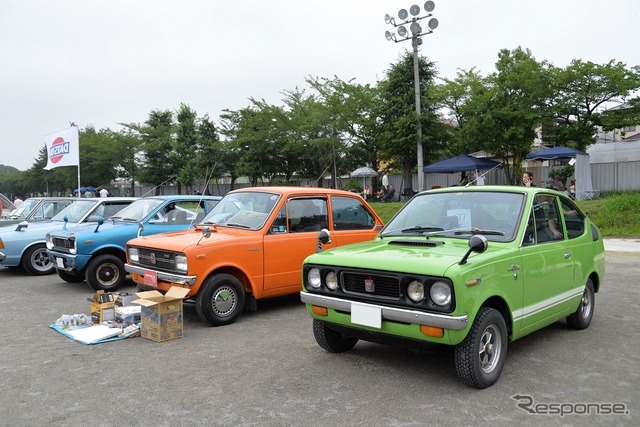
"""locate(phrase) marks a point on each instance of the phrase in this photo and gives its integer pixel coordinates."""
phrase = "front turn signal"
(320, 311)
(432, 331)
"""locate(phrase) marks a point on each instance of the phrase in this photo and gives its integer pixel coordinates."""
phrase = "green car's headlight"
(440, 293)
(415, 291)
(313, 277)
(331, 280)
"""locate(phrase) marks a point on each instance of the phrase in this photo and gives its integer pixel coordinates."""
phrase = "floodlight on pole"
(416, 39)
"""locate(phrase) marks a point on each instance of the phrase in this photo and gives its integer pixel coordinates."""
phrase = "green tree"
(399, 116)
(455, 98)
(157, 149)
(581, 91)
(503, 116)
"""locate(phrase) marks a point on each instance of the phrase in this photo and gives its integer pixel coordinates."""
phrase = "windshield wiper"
(235, 224)
(416, 229)
(113, 218)
(479, 231)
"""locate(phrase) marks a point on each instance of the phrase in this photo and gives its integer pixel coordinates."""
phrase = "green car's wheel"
(330, 340)
(480, 357)
(581, 319)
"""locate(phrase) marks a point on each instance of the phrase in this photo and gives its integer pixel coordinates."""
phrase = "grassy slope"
(616, 215)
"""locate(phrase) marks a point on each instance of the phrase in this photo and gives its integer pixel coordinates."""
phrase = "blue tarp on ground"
(461, 163)
(554, 153)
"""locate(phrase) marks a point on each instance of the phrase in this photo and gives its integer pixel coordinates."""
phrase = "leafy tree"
(157, 144)
(504, 115)
(186, 147)
(582, 90)
(356, 109)
(129, 143)
(455, 98)
(99, 156)
(209, 162)
(399, 117)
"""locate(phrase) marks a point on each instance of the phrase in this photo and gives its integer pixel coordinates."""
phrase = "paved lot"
(266, 369)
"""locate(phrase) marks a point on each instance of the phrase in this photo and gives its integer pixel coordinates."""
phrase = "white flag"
(63, 148)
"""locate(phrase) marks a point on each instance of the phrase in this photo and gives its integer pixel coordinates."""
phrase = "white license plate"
(151, 278)
(366, 315)
(59, 262)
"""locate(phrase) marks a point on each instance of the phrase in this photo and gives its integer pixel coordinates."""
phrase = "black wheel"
(581, 319)
(480, 357)
(330, 340)
(70, 276)
(220, 301)
(106, 272)
(36, 262)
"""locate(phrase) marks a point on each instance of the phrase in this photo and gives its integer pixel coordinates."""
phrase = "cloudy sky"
(101, 63)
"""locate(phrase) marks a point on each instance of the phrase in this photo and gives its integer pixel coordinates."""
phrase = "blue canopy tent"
(461, 163)
(83, 189)
(554, 153)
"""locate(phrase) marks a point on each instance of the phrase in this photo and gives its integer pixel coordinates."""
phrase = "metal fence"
(605, 177)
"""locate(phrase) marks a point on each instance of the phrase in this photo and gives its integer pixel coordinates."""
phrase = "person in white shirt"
(104, 192)
(385, 180)
(17, 202)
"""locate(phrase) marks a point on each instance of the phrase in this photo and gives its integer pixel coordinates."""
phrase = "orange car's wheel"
(221, 300)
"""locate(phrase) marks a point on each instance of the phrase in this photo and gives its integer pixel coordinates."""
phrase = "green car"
(472, 267)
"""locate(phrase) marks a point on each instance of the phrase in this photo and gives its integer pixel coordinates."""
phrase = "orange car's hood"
(179, 241)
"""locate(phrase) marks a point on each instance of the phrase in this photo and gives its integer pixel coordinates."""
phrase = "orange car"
(249, 247)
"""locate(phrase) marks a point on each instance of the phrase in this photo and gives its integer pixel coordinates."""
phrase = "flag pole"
(79, 195)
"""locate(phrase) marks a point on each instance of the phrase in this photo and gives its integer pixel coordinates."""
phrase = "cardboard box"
(102, 307)
(161, 315)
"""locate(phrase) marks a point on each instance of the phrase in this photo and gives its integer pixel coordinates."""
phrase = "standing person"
(17, 202)
(388, 195)
(104, 192)
(385, 180)
(527, 179)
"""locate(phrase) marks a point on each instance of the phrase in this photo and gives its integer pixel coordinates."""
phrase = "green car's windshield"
(243, 209)
(459, 214)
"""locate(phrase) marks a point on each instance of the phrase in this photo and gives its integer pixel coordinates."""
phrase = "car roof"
(107, 199)
(292, 190)
(194, 197)
(500, 188)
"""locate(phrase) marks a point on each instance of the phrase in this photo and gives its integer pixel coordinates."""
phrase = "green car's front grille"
(370, 284)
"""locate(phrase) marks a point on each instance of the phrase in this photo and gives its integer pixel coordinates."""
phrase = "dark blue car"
(97, 253)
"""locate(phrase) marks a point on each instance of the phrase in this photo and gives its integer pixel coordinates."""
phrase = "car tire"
(480, 357)
(106, 273)
(330, 340)
(70, 276)
(581, 319)
(36, 261)
(220, 301)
